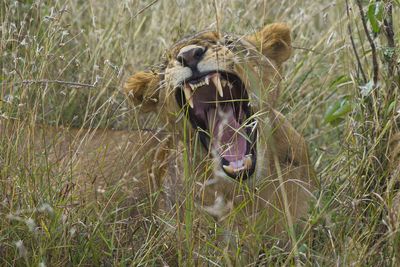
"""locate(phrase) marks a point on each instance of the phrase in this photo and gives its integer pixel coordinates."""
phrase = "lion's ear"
(273, 41)
(142, 89)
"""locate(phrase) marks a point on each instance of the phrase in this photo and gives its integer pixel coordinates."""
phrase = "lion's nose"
(190, 55)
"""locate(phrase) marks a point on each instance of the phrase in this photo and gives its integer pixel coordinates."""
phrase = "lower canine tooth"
(228, 169)
(223, 83)
(188, 95)
(248, 162)
(218, 86)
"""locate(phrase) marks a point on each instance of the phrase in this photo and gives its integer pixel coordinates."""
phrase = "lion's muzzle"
(218, 106)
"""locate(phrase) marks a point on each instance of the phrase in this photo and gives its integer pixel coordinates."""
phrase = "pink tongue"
(227, 141)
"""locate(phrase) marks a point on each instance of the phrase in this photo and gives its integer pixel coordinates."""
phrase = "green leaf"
(375, 15)
(337, 111)
(388, 53)
(339, 81)
(303, 248)
(391, 107)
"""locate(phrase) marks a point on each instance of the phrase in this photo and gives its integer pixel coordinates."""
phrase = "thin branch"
(389, 32)
(353, 45)
(388, 23)
(375, 63)
(72, 84)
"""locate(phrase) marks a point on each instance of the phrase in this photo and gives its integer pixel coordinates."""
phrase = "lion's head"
(220, 83)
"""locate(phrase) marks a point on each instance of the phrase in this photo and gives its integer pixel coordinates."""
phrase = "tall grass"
(63, 63)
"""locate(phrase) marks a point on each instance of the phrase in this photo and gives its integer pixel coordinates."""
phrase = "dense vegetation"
(64, 63)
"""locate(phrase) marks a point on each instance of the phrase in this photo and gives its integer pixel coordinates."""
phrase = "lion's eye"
(212, 42)
(229, 43)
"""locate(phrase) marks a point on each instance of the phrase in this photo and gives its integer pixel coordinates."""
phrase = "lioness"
(223, 146)
(215, 93)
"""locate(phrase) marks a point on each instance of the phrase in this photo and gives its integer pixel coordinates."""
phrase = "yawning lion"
(228, 147)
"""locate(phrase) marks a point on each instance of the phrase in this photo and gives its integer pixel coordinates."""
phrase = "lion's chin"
(218, 106)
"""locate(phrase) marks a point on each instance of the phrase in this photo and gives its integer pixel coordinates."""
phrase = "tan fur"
(90, 160)
(274, 41)
(142, 89)
(280, 191)
(187, 180)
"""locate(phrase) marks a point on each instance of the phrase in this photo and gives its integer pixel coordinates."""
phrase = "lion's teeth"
(223, 83)
(207, 80)
(230, 85)
(188, 95)
(228, 169)
(218, 86)
(197, 85)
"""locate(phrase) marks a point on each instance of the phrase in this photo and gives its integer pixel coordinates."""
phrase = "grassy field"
(64, 63)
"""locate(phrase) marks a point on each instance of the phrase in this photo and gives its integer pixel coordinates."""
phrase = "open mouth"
(218, 104)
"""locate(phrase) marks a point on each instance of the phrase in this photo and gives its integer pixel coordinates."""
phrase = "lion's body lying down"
(259, 190)
(89, 159)
(229, 151)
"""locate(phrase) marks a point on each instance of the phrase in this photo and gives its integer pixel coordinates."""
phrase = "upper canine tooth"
(188, 95)
(228, 169)
(192, 86)
(217, 83)
(248, 162)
